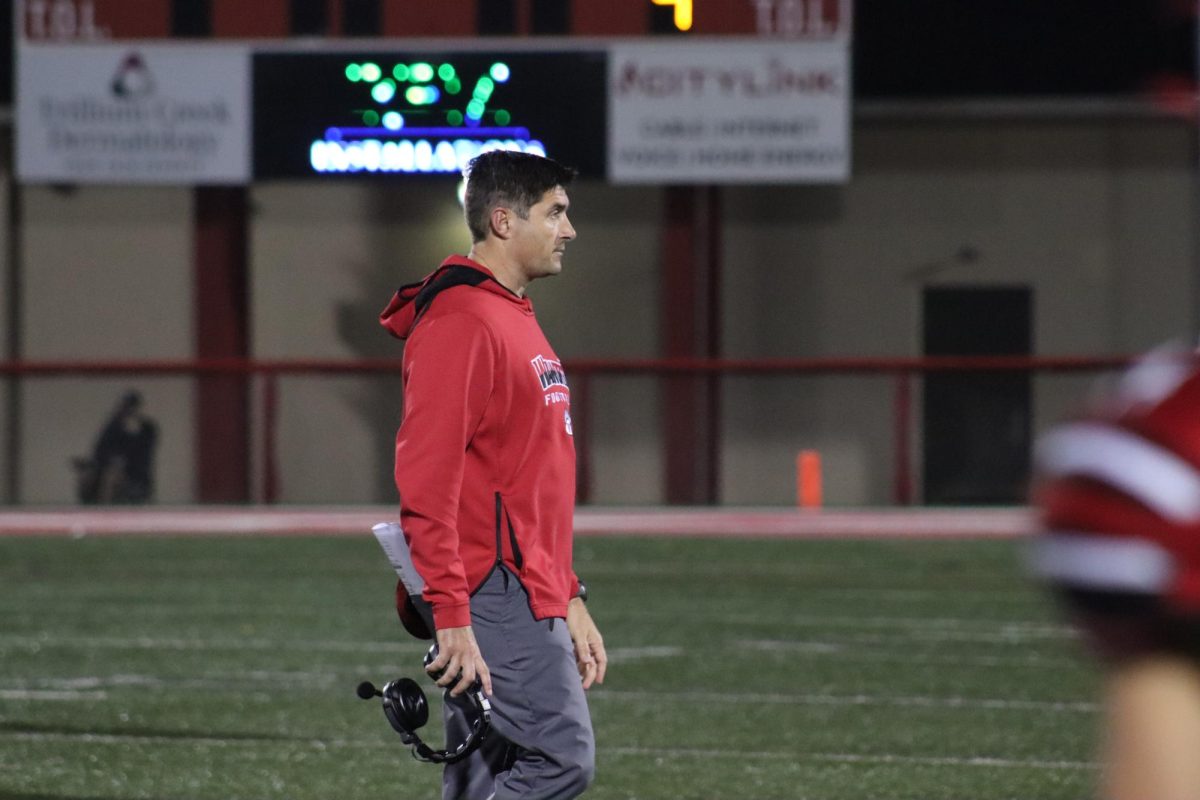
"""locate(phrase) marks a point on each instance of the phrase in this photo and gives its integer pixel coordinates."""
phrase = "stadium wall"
(106, 274)
(8, 389)
(1095, 216)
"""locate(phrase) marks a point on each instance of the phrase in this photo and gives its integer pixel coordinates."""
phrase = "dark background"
(903, 49)
(940, 48)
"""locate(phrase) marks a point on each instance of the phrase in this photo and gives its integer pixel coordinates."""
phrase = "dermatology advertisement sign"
(133, 114)
(736, 112)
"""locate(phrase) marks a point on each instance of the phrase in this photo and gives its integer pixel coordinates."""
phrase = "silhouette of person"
(121, 467)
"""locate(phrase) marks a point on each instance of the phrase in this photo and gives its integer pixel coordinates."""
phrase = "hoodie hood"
(410, 302)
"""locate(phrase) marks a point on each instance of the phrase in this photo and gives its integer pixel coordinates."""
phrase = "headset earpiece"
(406, 708)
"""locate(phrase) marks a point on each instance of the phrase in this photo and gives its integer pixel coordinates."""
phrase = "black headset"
(406, 708)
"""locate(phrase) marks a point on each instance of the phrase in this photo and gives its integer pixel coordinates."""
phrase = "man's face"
(540, 240)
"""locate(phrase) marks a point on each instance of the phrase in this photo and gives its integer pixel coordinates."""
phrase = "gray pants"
(541, 745)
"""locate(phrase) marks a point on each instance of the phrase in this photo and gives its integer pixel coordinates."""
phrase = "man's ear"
(501, 222)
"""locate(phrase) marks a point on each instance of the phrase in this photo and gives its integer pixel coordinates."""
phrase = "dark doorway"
(977, 424)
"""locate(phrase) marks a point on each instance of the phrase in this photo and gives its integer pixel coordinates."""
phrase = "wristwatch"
(582, 593)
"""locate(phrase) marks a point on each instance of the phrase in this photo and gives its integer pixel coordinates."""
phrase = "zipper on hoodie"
(499, 556)
(501, 517)
(512, 537)
(499, 539)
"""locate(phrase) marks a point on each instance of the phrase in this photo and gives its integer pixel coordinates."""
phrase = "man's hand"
(589, 646)
(458, 654)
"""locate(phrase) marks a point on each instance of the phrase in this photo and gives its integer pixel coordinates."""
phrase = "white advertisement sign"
(729, 112)
(131, 113)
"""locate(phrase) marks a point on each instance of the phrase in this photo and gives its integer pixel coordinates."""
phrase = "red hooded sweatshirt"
(485, 460)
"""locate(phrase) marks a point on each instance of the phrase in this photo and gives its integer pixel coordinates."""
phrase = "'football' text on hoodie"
(485, 459)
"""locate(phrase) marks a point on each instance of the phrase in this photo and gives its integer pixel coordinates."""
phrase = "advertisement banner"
(717, 112)
(133, 114)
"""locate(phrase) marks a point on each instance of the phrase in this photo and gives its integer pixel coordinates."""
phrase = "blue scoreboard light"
(395, 113)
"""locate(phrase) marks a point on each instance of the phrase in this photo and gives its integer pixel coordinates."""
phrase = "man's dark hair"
(506, 178)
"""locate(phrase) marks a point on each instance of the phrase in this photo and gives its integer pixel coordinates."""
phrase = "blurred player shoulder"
(1118, 495)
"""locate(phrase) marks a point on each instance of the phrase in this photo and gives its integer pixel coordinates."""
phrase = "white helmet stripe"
(1100, 562)
(1154, 476)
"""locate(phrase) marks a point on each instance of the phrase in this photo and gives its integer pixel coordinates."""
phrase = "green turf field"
(225, 668)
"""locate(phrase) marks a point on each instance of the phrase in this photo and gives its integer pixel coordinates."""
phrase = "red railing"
(581, 371)
(902, 371)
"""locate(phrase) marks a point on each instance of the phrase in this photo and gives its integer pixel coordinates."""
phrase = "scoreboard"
(95, 20)
(630, 91)
(385, 112)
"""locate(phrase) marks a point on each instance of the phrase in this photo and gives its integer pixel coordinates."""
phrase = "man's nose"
(568, 231)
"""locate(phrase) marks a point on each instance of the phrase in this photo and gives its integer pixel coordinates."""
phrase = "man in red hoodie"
(485, 467)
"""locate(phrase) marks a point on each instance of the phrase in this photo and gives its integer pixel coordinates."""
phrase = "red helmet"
(1118, 491)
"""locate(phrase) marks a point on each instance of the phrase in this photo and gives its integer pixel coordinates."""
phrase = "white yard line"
(626, 655)
(170, 643)
(835, 644)
(757, 698)
(848, 648)
(142, 739)
(1032, 627)
(229, 681)
(92, 688)
(840, 652)
(855, 758)
(87, 687)
(636, 752)
(1037, 629)
(1005, 633)
(940, 636)
(64, 695)
(620, 654)
(931, 626)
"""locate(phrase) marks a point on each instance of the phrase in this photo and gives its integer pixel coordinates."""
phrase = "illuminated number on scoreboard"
(683, 12)
(387, 113)
(450, 127)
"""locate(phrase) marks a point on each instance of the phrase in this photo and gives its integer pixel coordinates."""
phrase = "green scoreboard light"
(396, 113)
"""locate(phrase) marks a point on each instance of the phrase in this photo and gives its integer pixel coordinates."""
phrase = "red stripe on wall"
(524, 17)
(333, 17)
(725, 17)
(950, 523)
(681, 332)
(262, 19)
(121, 19)
(417, 18)
(222, 330)
(624, 18)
